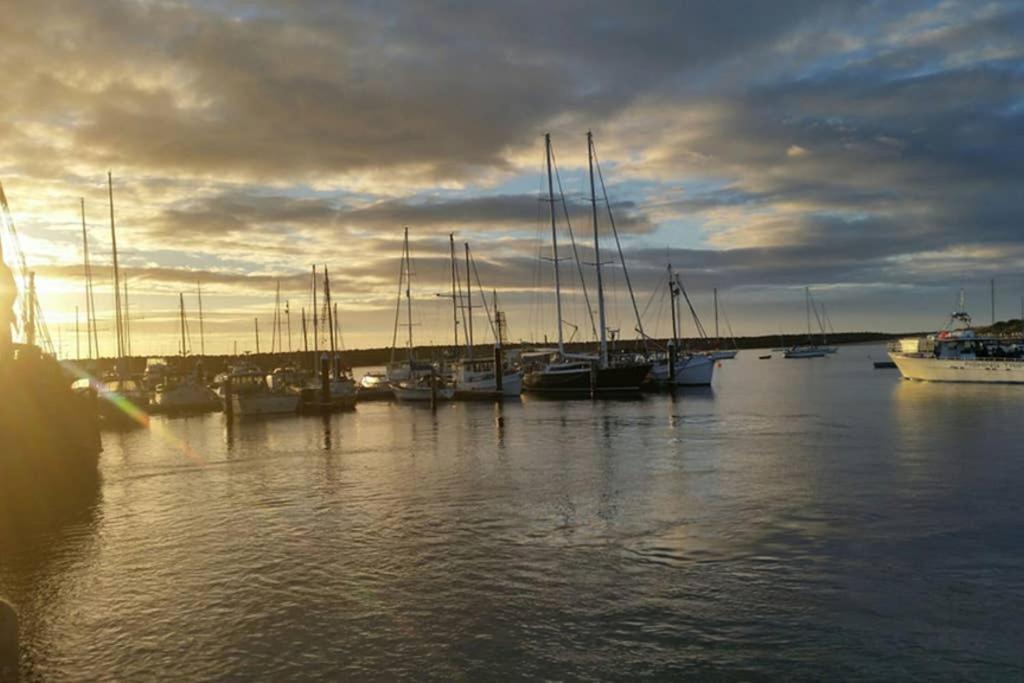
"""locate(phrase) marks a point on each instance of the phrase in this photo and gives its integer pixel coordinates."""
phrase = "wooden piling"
(9, 652)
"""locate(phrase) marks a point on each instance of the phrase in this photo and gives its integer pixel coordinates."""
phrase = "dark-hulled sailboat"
(563, 373)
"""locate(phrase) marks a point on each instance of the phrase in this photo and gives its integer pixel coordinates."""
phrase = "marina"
(511, 341)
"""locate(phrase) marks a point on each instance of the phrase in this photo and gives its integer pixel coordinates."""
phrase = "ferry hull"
(984, 371)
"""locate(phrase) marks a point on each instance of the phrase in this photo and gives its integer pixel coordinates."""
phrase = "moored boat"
(959, 354)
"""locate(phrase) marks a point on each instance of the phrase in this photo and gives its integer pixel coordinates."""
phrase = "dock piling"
(8, 641)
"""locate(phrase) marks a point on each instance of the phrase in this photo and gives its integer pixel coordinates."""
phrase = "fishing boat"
(601, 373)
(958, 353)
(246, 387)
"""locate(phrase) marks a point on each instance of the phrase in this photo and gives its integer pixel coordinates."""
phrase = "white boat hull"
(691, 371)
(185, 398)
(265, 404)
(406, 393)
(511, 385)
(805, 353)
(982, 370)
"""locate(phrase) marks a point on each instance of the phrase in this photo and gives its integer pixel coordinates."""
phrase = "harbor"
(530, 537)
(511, 341)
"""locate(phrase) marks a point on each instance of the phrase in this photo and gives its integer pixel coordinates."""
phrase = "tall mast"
(30, 315)
(673, 295)
(718, 337)
(78, 340)
(288, 317)
(330, 318)
(455, 298)
(807, 294)
(91, 334)
(305, 338)
(118, 324)
(202, 332)
(181, 314)
(256, 322)
(554, 243)
(469, 307)
(127, 321)
(316, 341)
(337, 327)
(597, 254)
(408, 295)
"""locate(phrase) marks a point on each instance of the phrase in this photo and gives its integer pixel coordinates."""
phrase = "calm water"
(805, 518)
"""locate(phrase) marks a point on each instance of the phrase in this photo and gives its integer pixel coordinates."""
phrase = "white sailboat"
(178, 392)
(691, 369)
(810, 349)
(413, 380)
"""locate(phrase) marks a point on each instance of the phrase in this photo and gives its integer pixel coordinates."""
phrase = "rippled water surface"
(805, 518)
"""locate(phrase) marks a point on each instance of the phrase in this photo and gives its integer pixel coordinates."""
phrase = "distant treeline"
(1004, 328)
(382, 355)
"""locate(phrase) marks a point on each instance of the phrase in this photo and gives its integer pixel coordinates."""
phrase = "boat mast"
(455, 298)
(256, 322)
(469, 306)
(90, 301)
(554, 244)
(718, 336)
(288, 317)
(330, 317)
(673, 296)
(181, 315)
(316, 336)
(408, 294)
(807, 295)
(202, 332)
(597, 255)
(127, 321)
(117, 276)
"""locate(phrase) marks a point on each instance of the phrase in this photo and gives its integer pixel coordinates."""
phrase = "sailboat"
(718, 353)
(476, 378)
(413, 380)
(124, 397)
(690, 369)
(334, 389)
(181, 392)
(810, 349)
(565, 373)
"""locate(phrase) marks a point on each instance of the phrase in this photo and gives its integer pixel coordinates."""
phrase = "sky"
(872, 151)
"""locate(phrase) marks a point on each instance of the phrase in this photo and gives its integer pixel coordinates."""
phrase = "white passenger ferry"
(959, 354)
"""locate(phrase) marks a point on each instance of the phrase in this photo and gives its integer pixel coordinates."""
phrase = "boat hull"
(418, 394)
(805, 353)
(511, 386)
(692, 371)
(185, 399)
(265, 404)
(722, 355)
(612, 380)
(980, 371)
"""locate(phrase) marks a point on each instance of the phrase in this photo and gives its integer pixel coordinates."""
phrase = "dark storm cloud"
(235, 212)
(440, 89)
